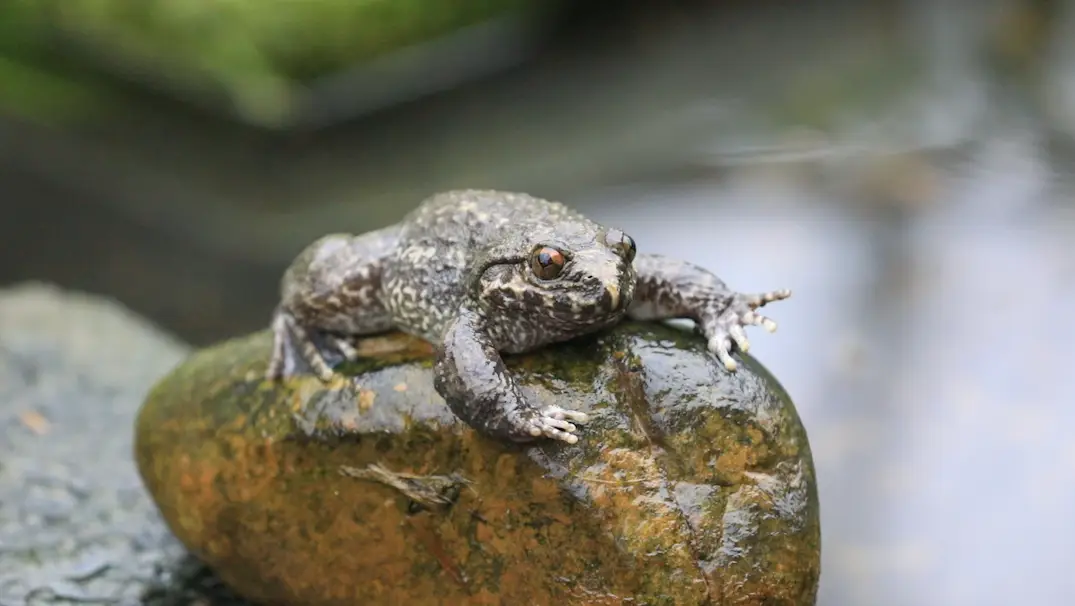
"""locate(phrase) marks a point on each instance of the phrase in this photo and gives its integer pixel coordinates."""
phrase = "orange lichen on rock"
(690, 485)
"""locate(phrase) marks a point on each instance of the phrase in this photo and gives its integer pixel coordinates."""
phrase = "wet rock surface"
(76, 525)
(691, 485)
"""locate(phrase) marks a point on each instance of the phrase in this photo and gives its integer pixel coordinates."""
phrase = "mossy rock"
(690, 485)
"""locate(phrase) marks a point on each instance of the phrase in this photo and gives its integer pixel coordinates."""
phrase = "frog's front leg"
(668, 288)
(471, 377)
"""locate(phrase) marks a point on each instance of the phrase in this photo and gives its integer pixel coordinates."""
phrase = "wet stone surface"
(690, 485)
(76, 525)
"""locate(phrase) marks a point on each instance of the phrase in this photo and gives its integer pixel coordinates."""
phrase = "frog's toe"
(552, 427)
(275, 369)
(756, 319)
(757, 300)
(557, 430)
(721, 345)
(557, 424)
(736, 334)
(557, 434)
(346, 348)
(292, 343)
(555, 412)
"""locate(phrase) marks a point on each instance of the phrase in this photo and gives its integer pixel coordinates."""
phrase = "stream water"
(926, 225)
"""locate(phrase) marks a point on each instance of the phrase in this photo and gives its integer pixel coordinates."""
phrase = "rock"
(691, 485)
(76, 525)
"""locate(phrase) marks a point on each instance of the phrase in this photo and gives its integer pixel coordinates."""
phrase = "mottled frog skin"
(481, 273)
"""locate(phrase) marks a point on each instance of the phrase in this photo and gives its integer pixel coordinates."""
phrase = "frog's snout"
(603, 285)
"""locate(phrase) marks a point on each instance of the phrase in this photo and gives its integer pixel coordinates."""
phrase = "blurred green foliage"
(297, 39)
(256, 50)
(30, 89)
(40, 95)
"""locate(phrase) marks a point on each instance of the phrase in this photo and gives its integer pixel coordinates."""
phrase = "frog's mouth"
(613, 291)
(618, 294)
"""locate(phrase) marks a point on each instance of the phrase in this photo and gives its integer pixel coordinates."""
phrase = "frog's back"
(439, 241)
(475, 218)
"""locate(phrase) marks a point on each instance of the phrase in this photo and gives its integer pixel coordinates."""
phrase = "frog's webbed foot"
(290, 338)
(553, 422)
(722, 323)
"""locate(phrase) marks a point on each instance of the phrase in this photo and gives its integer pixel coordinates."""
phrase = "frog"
(484, 274)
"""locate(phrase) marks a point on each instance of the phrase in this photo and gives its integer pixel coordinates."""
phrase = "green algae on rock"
(690, 485)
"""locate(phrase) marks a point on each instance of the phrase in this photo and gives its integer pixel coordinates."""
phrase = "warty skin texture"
(481, 273)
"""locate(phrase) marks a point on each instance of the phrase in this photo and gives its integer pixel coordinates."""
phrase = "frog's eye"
(623, 244)
(547, 263)
(629, 245)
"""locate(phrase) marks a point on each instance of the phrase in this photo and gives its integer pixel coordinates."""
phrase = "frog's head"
(575, 275)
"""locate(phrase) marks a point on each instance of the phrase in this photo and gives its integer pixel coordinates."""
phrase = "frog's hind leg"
(290, 338)
(329, 296)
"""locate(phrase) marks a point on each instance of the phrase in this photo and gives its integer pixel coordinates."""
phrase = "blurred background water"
(904, 166)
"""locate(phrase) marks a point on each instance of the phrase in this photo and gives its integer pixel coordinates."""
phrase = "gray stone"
(76, 525)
